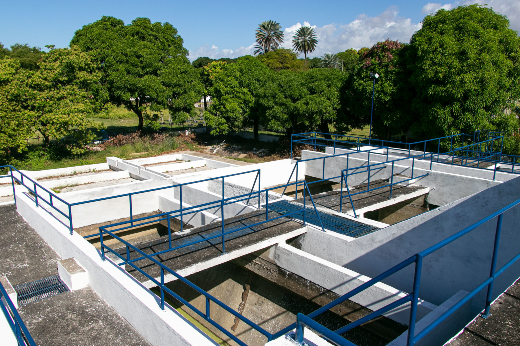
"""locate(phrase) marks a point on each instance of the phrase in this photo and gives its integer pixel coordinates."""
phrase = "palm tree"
(305, 40)
(330, 61)
(268, 37)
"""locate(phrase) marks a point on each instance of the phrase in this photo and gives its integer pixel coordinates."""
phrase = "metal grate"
(331, 222)
(40, 289)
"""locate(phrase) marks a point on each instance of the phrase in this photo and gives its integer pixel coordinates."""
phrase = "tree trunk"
(205, 105)
(137, 110)
(256, 122)
(324, 128)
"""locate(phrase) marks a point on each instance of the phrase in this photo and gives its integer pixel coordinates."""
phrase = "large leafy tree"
(305, 40)
(349, 59)
(269, 37)
(144, 64)
(392, 92)
(55, 100)
(465, 67)
(28, 56)
(238, 95)
(282, 59)
(16, 120)
(329, 60)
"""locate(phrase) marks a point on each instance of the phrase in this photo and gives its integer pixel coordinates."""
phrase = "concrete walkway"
(71, 318)
(501, 328)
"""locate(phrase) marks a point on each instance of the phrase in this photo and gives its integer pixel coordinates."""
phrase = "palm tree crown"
(268, 37)
(330, 61)
(305, 40)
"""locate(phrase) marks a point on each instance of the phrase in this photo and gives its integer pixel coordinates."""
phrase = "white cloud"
(365, 31)
(431, 8)
(215, 53)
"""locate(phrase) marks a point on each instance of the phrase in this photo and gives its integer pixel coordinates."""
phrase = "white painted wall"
(342, 280)
(463, 264)
(119, 289)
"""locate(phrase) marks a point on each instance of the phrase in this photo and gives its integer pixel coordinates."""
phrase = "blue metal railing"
(324, 159)
(103, 232)
(367, 169)
(14, 320)
(413, 297)
(314, 139)
(42, 194)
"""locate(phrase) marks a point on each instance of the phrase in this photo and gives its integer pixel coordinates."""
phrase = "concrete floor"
(72, 318)
(501, 328)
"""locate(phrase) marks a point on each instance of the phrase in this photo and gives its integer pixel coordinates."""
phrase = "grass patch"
(58, 189)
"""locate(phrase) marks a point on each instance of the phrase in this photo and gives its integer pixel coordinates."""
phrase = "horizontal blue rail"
(104, 232)
(14, 320)
(413, 297)
(345, 173)
(43, 195)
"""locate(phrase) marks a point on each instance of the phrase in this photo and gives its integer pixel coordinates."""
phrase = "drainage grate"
(40, 289)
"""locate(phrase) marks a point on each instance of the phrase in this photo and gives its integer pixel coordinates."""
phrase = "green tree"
(16, 121)
(3, 51)
(237, 93)
(28, 56)
(282, 59)
(329, 60)
(465, 68)
(201, 62)
(136, 61)
(56, 99)
(349, 58)
(268, 37)
(305, 40)
(392, 95)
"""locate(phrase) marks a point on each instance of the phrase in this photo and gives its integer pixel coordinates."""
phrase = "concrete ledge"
(72, 274)
(11, 293)
(444, 331)
(121, 291)
(342, 280)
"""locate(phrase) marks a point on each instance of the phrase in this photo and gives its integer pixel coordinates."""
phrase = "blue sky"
(226, 28)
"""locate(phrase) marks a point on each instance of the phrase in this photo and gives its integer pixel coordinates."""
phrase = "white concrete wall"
(126, 295)
(463, 264)
(446, 329)
(196, 219)
(341, 281)
(113, 209)
(66, 171)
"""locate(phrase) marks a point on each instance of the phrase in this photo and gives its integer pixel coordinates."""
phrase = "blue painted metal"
(412, 339)
(14, 320)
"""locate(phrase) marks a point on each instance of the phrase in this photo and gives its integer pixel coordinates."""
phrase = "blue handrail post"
(335, 139)
(451, 147)
(431, 161)
(314, 141)
(298, 337)
(439, 146)
(392, 181)
(127, 253)
(169, 232)
(341, 194)
(222, 223)
(424, 149)
(296, 186)
(70, 220)
(368, 184)
(267, 205)
(12, 183)
(493, 265)
(495, 171)
(304, 204)
(162, 288)
(101, 243)
(35, 195)
(415, 299)
(413, 164)
(323, 173)
(180, 200)
(259, 194)
(208, 311)
(131, 218)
